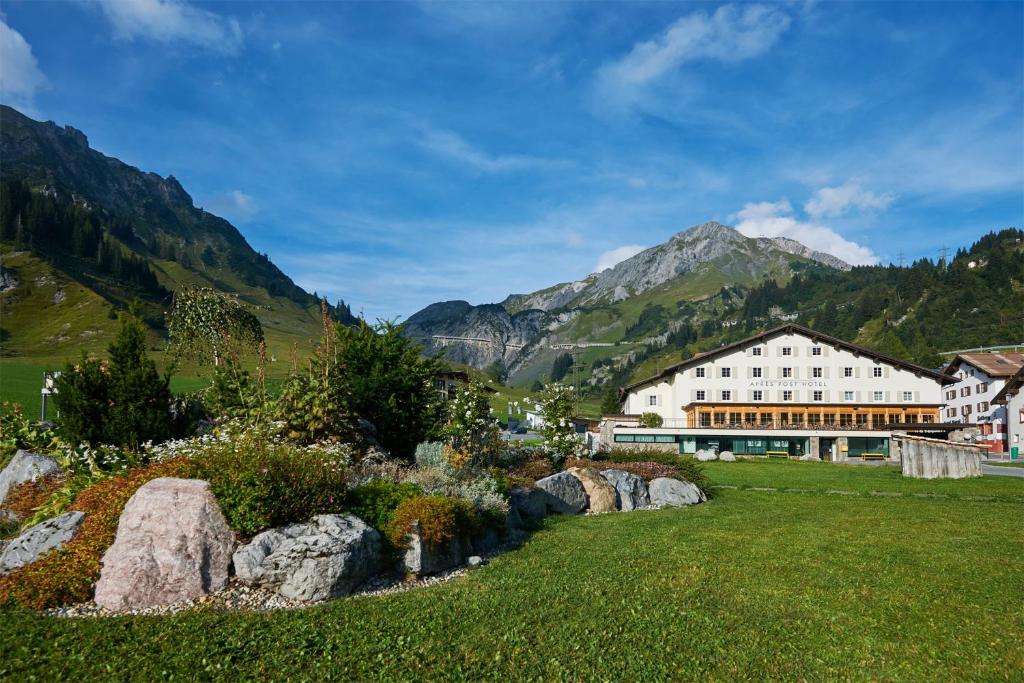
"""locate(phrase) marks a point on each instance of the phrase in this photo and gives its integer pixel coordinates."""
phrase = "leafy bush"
(17, 431)
(644, 454)
(533, 469)
(476, 486)
(440, 518)
(692, 471)
(470, 429)
(651, 420)
(261, 482)
(66, 576)
(376, 501)
(560, 438)
(391, 384)
(124, 402)
(25, 498)
(430, 454)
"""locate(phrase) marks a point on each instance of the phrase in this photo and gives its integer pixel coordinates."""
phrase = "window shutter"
(827, 395)
(857, 395)
(796, 396)
(886, 371)
(917, 397)
(778, 351)
(659, 400)
(796, 372)
(856, 373)
(825, 372)
(887, 397)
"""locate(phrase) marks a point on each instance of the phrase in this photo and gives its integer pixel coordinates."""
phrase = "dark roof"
(1012, 386)
(992, 363)
(793, 328)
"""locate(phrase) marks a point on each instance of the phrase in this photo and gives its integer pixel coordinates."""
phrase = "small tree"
(470, 429)
(207, 324)
(651, 420)
(558, 404)
(391, 384)
(123, 401)
(610, 404)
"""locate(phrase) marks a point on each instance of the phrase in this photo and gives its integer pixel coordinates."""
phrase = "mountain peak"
(711, 230)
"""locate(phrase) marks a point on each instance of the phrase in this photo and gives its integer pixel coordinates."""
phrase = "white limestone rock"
(666, 492)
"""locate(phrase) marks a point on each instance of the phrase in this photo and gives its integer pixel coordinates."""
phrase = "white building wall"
(786, 363)
(970, 399)
(1015, 422)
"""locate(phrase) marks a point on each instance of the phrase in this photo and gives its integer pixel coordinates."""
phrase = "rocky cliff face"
(525, 318)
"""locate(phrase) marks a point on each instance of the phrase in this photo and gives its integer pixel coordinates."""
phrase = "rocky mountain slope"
(605, 308)
(122, 234)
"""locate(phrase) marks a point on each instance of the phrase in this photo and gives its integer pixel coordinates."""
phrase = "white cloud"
(168, 21)
(614, 256)
(836, 201)
(235, 204)
(732, 34)
(574, 239)
(450, 144)
(20, 77)
(775, 219)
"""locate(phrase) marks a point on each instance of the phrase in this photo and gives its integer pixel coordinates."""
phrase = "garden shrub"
(17, 431)
(642, 454)
(537, 467)
(375, 502)
(441, 519)
(66, 576)
(261, 482)
(473, 485)
(430, 454)
(24, 498)
(686, 469)
(473, 436)
(651, 420)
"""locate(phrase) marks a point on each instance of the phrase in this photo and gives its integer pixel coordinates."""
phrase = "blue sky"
(395, 154)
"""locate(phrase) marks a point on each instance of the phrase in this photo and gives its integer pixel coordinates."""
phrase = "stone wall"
(934, 459)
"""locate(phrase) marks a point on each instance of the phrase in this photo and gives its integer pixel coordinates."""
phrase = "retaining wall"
(934, 459)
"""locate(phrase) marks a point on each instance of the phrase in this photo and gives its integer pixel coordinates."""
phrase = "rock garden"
(278, 500)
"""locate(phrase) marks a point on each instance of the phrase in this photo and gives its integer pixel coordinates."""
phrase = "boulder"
(43, 537)
(528, 503)
(564, 493)
(727, 456)
(705, 456)
(674, 493)
(324, 558)
(600, 494)
(630, 490)
(172, 544)
(808, 457)
(25, 466)
(428, 558)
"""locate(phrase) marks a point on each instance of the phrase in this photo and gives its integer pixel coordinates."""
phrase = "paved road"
(1004, 471)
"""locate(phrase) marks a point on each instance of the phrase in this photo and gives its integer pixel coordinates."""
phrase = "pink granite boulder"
(172, 544)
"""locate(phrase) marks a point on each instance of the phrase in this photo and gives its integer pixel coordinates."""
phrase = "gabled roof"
(992, 363)
(1011, 388)
(793, 328)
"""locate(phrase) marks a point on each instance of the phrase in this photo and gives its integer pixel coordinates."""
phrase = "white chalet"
(789, 391)
(980, 377)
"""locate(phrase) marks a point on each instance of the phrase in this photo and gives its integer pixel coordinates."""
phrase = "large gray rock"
(528, 503)
(727, 456)
(43, 537)
(25, 466)
(600, 494)
(172, 544)
(706, 456)
(565, 493)
(428, 558)
(674, 493)
(630, 490)
(324, 558)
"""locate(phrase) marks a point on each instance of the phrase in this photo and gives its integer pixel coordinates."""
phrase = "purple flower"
(263, 470)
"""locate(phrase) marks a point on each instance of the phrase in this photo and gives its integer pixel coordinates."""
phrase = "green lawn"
(1003, 463)
(753, 585)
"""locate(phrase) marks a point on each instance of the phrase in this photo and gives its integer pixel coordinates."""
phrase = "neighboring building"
(789, 391)
(980, 377)
(1011, 399)
(447, 383)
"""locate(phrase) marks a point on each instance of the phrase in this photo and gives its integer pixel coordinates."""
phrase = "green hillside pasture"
(752, 586)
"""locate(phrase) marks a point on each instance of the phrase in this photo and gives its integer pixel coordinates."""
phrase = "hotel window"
(876, 372)
(830, 418)
(816, 372)
(815, 350)
(845, 420)
(756, 351)
(787, 372)
(750, 418)
(950, 412)
(908, 395)
(787, 350)
(699, 372)
(818, 395)
(796, 418)
(895, 419)
(847, 372)
(813, 419)
(726, 395)
(701, 394)
(966, 410)
(758, 395)
(766, 418)
(927, 419)
(951, 394)
(719, 418)
(726, 372)
(877, 420)
(877, 396)
(847, 395)
(735, 418)
(862, 419)
(705, 419)
(787, 395)
(652, 400)
(983, 406)
(755, 372)
(965, 391)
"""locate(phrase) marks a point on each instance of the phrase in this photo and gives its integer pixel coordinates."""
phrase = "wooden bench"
(873, 456)
(777, 454)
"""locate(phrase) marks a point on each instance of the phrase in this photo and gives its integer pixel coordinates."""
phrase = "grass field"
(754, 585)
(1006, 464)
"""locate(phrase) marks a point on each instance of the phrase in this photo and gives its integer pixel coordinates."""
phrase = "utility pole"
(899, 259)
(943, 253)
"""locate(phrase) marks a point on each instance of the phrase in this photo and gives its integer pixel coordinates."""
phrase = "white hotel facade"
(789, 391)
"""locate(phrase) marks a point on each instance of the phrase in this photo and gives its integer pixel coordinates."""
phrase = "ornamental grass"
(441, 519)
(67, 576)
(25, 498)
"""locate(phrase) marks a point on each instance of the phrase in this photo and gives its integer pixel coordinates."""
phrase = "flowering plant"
(471, 432)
